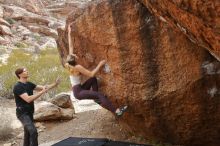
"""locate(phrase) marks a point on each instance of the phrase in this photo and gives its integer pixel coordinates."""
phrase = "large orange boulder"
(170, 83)
(198, 19)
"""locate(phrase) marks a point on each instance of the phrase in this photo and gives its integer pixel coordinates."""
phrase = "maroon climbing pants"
(84, 92)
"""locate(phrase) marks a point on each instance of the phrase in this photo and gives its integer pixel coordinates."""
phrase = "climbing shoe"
(97, 101)
(120, 111)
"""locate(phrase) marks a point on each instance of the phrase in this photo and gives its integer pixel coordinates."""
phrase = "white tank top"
(75, 80)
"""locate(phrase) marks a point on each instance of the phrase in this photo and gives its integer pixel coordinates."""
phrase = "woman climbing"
(82, 90)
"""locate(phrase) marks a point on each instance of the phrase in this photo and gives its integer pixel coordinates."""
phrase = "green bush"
(43, 69)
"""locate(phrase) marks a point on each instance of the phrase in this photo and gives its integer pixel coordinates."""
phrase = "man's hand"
(45, 87)
(44, 90)
(48, 87)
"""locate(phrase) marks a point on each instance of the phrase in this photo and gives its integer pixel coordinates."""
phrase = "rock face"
(199, 20)
(5, 30)
(62, 9)
(58, 108)
(170, 83)
(27, 26)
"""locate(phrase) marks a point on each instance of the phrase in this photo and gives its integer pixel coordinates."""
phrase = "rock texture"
(199, 20)
(39, 20)
(26, 27)
(170, 83)
(62, 9)
(62, 100)
(59, 107)
(21, 14)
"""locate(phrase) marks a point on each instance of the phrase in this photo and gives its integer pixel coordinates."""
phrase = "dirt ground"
(94, 124)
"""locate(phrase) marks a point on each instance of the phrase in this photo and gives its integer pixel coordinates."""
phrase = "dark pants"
(30, 131)
(83, 92)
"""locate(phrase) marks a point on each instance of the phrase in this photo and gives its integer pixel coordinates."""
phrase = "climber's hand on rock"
(69, 27)
(102, 62)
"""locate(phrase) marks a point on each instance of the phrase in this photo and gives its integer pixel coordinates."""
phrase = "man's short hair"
(19, 71)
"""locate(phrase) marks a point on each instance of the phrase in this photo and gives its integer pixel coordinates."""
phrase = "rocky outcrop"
(59, 108)
(3, 41)
(4, 25)
(62, 100)
(35, 16)
(53, 8)
(34, 6)
(63, 9)
(170, 83)
(19, 17)
(18, 13)
(25, 29)
(3, 22)
(5, 30)
(41, 29)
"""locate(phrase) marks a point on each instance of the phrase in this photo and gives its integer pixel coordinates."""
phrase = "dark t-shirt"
(22, 105)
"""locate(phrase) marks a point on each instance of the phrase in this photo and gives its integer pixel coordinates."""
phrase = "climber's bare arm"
(87, 72)
(70, 39)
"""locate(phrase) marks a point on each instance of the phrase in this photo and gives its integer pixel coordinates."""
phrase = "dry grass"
(43, 69)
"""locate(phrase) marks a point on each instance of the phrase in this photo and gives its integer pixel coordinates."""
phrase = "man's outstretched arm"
(41, 87)
(31, 98)
(57, 82)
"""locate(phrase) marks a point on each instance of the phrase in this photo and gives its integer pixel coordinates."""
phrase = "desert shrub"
(21, 45)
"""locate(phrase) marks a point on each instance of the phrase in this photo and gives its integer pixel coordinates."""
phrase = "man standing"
(24, 98)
